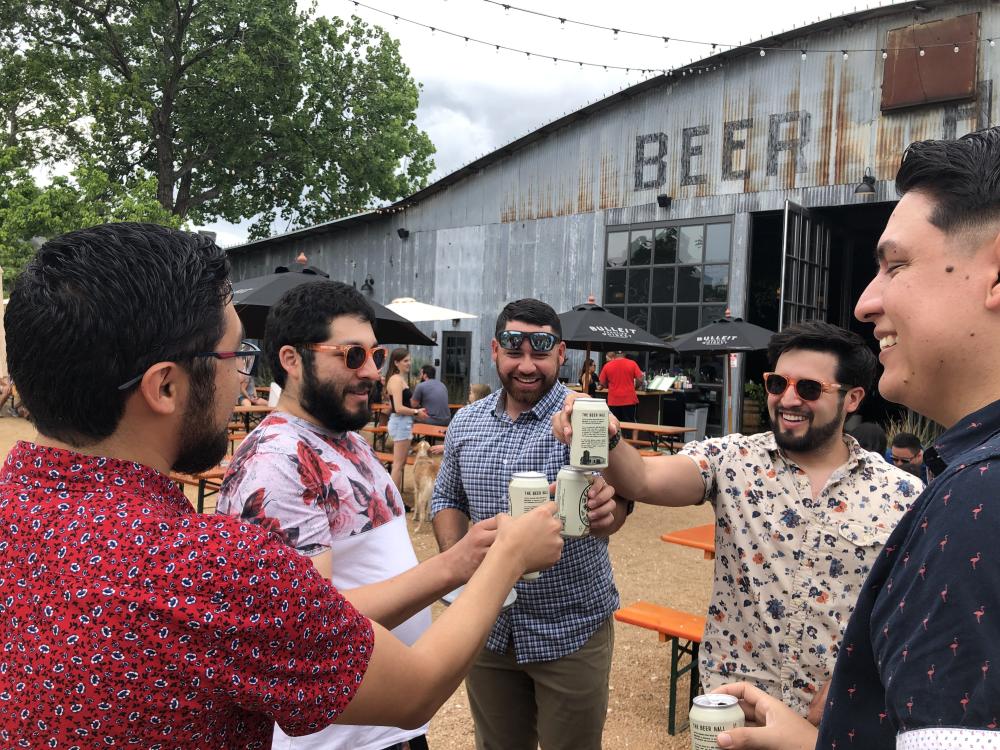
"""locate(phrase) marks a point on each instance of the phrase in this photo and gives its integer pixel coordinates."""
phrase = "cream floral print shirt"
(789, 559)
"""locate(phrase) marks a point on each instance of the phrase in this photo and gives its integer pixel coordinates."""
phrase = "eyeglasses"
(540, 341)
(354, 356)
(808, 389)
(246, 359)
(902, 459)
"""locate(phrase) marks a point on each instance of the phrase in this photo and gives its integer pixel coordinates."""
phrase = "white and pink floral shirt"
(790, 559)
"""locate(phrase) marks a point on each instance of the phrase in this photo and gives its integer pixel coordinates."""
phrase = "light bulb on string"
(762, 53)
(666, 41)
(921, 51)
(432, 31)
(956, 49)
(562, 24)
(616, 34)
(845, 53)
(993, 43)
(803, 55)
(506, 10)
(884, 54)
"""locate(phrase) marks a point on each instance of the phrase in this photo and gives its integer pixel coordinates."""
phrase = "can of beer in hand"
(711, 714)
(528, 490)
(589, 447)
(572, 485)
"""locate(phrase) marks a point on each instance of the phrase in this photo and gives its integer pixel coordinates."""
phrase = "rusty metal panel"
(923, 66)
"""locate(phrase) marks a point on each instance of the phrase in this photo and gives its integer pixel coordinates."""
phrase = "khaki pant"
(560, 704)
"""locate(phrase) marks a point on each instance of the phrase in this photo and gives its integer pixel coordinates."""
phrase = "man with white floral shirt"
(801, 514)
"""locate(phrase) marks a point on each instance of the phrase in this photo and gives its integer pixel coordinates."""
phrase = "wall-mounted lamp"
(454, 322)
(301, 258)
(434, 335)
(403, 233)
(867, 184)
(663, 200)
(368, 288)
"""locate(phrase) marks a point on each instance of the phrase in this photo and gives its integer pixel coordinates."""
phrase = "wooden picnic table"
(208, 483)
(247, 411)
(433, 431)
(699, 537)
(657, 431)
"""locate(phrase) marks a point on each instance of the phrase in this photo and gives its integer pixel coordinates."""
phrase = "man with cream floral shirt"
(801, 514)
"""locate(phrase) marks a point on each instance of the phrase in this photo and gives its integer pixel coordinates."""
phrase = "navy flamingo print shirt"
(919, 665)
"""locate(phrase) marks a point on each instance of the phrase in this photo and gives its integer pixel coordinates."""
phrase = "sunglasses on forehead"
(808, 389)
(354, 356)
(540, 340)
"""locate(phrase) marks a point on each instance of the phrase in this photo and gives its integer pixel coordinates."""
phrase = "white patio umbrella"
(419, 312)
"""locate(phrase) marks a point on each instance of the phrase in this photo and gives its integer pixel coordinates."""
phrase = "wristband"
(617, 438)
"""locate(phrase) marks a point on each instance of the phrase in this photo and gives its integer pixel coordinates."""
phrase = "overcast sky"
(475, 99)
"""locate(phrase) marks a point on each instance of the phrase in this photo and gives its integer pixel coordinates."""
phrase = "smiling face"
(527, 375)
(802, 426)
(933, 303)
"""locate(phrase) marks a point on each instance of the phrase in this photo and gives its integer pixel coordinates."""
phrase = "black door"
(455, 373)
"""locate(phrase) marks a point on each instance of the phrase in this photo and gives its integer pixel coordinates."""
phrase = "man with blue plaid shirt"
(543, 676)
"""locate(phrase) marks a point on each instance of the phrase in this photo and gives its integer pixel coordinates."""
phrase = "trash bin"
(695, 415)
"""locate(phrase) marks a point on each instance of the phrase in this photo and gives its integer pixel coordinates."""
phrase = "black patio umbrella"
(591, 327)
(724, 336)
(254, 297)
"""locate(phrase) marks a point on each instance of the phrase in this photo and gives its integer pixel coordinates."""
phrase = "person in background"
(588, 377)
(248, 392)
(478, 391)
(621, 376)
(801, 515)
(432, 395)
(908, 454)
(871, 437)
(401, 411)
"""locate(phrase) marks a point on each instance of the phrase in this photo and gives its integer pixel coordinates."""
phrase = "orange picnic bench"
(684, 631)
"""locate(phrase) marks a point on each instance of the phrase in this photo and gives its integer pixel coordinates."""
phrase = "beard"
(324, 401)
(523, 396)
(203, 444)
(815, 437)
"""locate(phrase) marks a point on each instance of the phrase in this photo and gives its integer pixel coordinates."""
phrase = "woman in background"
(401, 414)
(588, 378)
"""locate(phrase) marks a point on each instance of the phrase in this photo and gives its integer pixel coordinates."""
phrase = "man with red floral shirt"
(126, 618)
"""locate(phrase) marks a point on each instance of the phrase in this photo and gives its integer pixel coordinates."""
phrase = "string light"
(956, 47)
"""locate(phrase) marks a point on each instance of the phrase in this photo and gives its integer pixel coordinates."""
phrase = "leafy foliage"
(234, 108)
(926, 430)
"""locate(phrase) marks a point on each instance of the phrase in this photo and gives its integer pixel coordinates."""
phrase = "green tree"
(236, 108)
(29, 211)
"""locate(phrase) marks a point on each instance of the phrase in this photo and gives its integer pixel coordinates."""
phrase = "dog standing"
(425, 471)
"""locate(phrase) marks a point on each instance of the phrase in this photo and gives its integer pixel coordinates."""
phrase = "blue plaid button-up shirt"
(557, 613)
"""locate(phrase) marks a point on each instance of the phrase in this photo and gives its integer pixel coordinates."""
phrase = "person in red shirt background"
(620, 376)
(129, 619)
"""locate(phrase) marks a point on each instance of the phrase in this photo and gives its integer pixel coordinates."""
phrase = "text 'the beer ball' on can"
(572, 485)
(589, 447)
(712, 714)
(528, 490)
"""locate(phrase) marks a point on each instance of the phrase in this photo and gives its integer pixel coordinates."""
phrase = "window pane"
(711, 369)
(662, 321)
(716, 281)
(638, 285)
(638, 315)
(617, 248)
(690, 244)
(689, 284)
(614, 287)
(641, 248)
(663, 284)
(687, 319)
(711, 313)
(666, 245)
(717, 242)
(619, 311)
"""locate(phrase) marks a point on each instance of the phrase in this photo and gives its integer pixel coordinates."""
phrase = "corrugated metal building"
(683, 195)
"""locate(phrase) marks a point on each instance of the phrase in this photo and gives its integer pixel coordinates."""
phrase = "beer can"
(589, 447)
(528, 490)
(711, 714)
(571, 497)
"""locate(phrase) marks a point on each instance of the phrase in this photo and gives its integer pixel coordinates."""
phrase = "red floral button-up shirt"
(126, 619)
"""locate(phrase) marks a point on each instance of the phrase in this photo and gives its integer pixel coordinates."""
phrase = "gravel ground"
(644, 568)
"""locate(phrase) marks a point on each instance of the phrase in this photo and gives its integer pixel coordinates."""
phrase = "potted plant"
(755, 417)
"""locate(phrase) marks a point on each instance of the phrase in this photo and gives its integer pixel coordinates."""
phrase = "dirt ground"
(644, 568)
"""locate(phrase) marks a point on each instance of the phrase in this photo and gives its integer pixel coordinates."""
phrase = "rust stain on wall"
(585, 191)
(825, 127)
(610, 197)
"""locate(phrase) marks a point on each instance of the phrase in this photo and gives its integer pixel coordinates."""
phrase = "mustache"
(364, 387)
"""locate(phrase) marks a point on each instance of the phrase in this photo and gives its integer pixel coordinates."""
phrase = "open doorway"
(853, 236)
